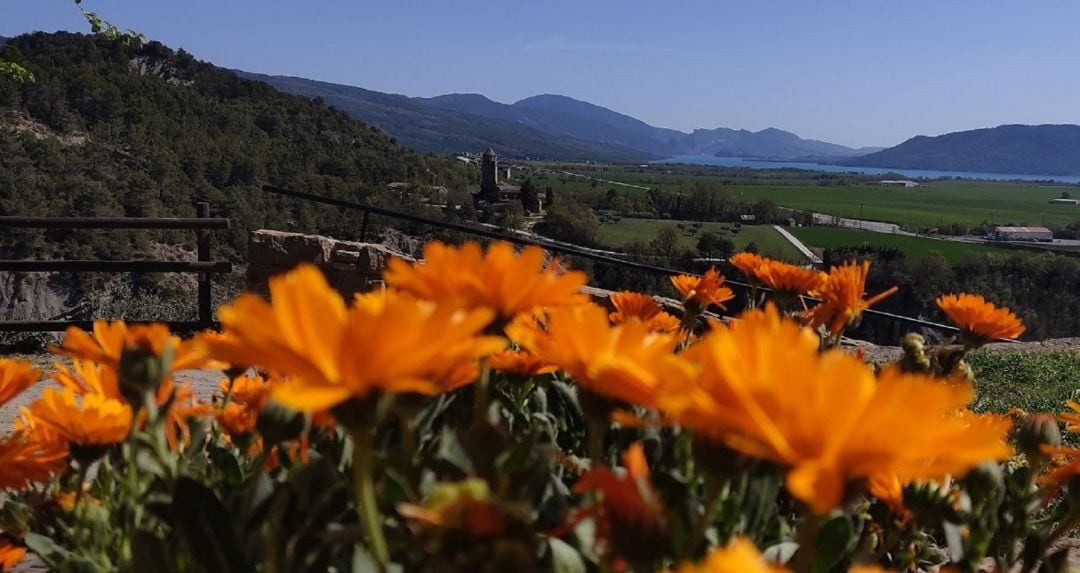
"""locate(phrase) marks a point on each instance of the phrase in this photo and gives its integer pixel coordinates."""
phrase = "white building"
(1022, 234)
(1073, 202)
(898, 183)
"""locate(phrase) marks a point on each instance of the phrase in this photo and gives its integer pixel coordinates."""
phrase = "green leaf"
(564, 558)
(206, 526)
(47, 549)
(148, 553)
(836, 538)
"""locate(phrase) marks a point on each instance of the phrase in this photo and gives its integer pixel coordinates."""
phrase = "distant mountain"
(1028, 149)
(768, 143)
(543, 127)
(419, 125)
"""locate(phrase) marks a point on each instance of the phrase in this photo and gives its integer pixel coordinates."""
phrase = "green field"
(915, 248)
(933, 204)
(764, 236)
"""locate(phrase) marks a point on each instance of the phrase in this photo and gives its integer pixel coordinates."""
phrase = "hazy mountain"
(1029, 149)
(542, 127)
(419, 125)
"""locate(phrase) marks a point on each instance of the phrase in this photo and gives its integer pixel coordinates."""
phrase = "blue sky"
(857, 72)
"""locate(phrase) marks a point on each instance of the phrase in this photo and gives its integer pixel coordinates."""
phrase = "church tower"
(489, 176)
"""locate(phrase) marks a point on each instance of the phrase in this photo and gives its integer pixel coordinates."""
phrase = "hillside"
(1029, 149)
(544, 126)
(418, 125)
(109, 130)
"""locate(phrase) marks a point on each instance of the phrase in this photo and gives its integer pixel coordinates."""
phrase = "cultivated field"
(914, 248)
(765, 237)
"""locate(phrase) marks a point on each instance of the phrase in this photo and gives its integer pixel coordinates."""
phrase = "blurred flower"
(332, 354)
(739, 556)
(749, 264)
(888, 490)
(110, 339)
(1071, 419)
(10, 554)
(624, 362)
(237, 419)
(643, 307)
(631, 517)
(790, 280)
(520, 363)
(703, 291)
(87, 377)
(15, 376)
(86, 420)
(29, 457)
(841, 294)
(250, 390)
(979, 320)
(764, 389)
(500, 279)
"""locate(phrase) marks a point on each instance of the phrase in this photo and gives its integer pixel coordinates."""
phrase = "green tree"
(666, 242)
(713, 245)
(570, 222)
(529, 196)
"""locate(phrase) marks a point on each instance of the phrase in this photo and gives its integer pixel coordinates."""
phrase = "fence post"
(203, 246)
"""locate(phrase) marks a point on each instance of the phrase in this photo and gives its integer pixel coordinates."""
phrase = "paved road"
(798, 244)
(875, 226)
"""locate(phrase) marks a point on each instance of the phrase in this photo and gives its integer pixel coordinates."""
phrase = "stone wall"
(349, 266)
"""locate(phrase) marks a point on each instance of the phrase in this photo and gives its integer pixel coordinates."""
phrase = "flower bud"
(915, 359)
(279, 424)
(985, 482)
(141, 371)
(1034, 432)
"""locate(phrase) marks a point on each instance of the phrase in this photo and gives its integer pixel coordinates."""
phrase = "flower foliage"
(481, 413)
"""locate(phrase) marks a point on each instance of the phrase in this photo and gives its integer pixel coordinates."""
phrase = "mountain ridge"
(461, 122)
(1044, 149)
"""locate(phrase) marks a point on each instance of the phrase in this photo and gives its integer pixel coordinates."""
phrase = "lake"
(911, 173)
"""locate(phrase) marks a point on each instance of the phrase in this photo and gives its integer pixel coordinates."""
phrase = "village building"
(898, 183)
(1022, 234)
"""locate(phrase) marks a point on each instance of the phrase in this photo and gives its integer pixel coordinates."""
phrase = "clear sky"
(856, 72)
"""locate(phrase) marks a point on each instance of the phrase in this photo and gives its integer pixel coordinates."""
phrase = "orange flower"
(185, 406)
(841, 295)
(1065, 466)
(643, 307)
(739, 556)
(764, 389)
(110, 339)
(28, 457)
(500, 279)
(520, 363)
(625, 362)
(703, 291)
(249, 390)
(979, 319)
(466, 507)
(748, 264)
(1071, 419)
(790, 280)
(888, 489)
(10, 554)
(86, 377)
(237, 419)
(16, 376)
(332, 353)
(631, 516)
(95, 420)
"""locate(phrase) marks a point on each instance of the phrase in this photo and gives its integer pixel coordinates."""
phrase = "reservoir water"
(910, 173)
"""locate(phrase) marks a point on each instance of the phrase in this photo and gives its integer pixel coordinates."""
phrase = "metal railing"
(561, 249)
(204, 265)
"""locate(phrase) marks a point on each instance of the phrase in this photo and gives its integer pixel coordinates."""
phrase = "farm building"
(1073, 202)
(1022, 234)
(898, 183)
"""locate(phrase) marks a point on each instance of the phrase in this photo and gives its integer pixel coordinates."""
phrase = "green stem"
(809, 531)
(83, 468)
(713, 498)
(366, 505)
(483, 396)
(597, 429)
